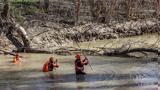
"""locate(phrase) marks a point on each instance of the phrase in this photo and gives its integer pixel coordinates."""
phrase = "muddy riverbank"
(49, 38)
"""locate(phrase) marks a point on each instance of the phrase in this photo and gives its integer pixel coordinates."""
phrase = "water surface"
(109, 73)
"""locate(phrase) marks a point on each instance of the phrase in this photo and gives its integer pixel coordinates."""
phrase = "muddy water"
(109, 73)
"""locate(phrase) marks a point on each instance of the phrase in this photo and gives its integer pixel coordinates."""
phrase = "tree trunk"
(111, 12)
(14, 40)
(92, 6)
(158, 8)
(5, 12)
(115, 52)
(11, 27)
(21, 31)
(77, 9)
(46, 5)
(129, 9)
(10, 53)
(41, 4)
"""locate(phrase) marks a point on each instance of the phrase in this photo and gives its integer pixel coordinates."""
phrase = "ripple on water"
(109, 74)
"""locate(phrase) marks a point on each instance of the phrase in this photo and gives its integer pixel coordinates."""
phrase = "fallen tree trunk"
(115, 52)
(20, 40)
(6, 52)
(10, 26)
(13, 31)
(33, 50)
(141, 50)
(10, 53)
(21, 31)
(14, 40)
(108, 51)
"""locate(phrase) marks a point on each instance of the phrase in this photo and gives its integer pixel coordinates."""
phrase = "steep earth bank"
(45, 37)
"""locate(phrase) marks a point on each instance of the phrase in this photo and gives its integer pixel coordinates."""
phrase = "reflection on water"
(109, 73)
(80, 78)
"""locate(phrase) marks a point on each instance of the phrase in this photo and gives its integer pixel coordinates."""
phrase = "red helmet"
(78, 56)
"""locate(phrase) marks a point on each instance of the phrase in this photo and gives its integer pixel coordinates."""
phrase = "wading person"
(79, 64)
(50, 65)
(16, 59)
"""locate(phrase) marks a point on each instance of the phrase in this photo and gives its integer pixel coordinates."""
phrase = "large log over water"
(116, 52)
(110, 51)
(33, 50)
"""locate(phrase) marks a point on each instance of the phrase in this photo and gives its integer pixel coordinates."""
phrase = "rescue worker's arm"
(84, 62)
(20, 60)
(55, 64)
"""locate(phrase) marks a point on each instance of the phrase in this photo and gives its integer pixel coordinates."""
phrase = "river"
(109, 73)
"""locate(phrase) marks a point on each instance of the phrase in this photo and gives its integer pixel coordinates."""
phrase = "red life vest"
(15, 60)
(45, 67)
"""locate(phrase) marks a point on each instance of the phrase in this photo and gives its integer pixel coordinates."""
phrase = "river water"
(109, 73)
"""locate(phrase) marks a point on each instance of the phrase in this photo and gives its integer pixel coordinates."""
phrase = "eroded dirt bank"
(48, 38)
(47, 31)
(52, 35)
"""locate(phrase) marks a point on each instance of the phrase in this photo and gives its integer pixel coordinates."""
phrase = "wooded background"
(83, 11)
